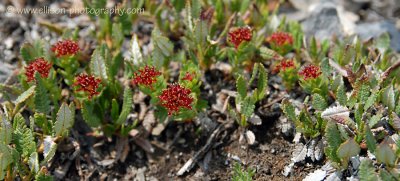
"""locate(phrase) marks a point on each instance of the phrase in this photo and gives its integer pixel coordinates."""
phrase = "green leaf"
(241, 87)
(363, 93)
(117, 34)
(267, 53)
(370, 139)
(370, 101)
(348, 149)
(163, 48)
(5, 130)
(367, 171)
(89, 116)
(341, 95)
(114, 109)
(383, 43)
(49, 150)
(319, 102)
(254, 73)
(289, 110)
(5, 159)
(64, 120)
(126, 106)
(25, 95)
(30, 51)
(136, 54)
(247, 107)
(386, 176)
(34, 162)
(374, 120)
(24, 141)
(262, 83)
(98, 65)
(334, 140)
(43, 177)
(388, 97)
(41, 99)
(385, 154)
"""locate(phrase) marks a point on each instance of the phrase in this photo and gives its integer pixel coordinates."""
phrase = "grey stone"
(324, 22)
(371, 30)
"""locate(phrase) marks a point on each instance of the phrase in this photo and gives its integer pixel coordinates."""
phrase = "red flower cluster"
(38, 65)
(283, 65)
(175, 97)
(310, 72)
(188, 76)
(88, 83)
(281, 38)
(239, 35)
(65, 47)
(147, 76)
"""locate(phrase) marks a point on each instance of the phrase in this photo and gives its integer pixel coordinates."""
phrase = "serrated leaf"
(114, 109)
(163, 48)
(24, 141)
(262, 83)
(386, 176)
(367, 171)
(370, 139)
(34, 162)
(247, 107)
(25, 95)
(64, 120)
(335, 113)
(388, 97)
(334, 140)
(117, 34)
(5, 130)
(241, 87)
(341, 96)
(289, 110)
(126, 106)
(136, 54)
(348, 149)
(374, 120)
(370, 101)
(5, 160)
(254, 73)
(385, 154)
(267, 53)
(49, 150)
(363, 93)
(98, 65)
(31, 51)
(89, 116)
(318, 102)
(41, 98)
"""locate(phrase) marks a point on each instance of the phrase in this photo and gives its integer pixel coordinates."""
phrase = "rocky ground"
(164, 152)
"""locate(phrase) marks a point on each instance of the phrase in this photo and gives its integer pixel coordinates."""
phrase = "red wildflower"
(39, 65)
(310, 72)
(175, 97)
(88, 83)
(283, 65)
(65, 47)
(239, 35)
(188, 76)
(281, 38)
(147, 76)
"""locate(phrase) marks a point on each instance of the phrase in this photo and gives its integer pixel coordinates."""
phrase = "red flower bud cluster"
(283, 65)
(310, 72)
(65, 47)
(175, 97)
(147, 76)
(38, 65)
(188, 76)
(281, 38)
(88, 84)
(239, 35)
